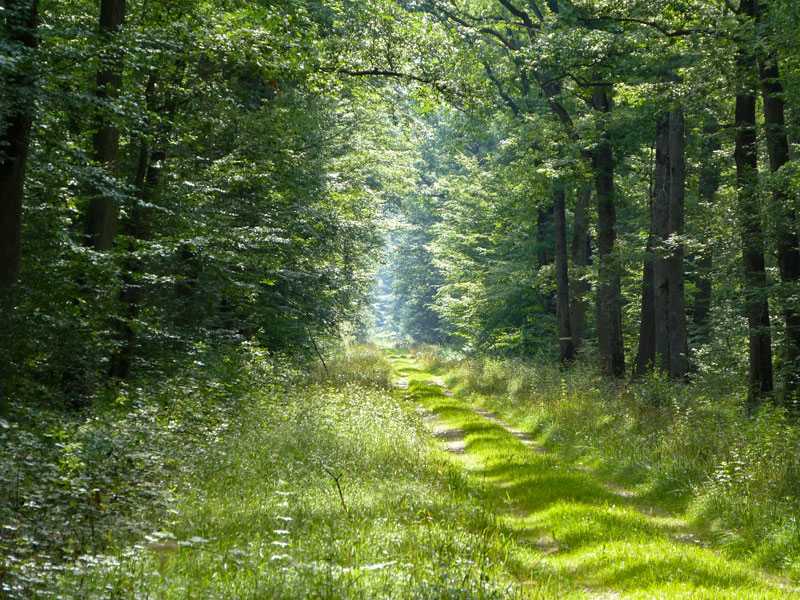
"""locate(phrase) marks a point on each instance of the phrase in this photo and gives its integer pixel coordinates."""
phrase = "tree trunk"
(21, 18)
(147, 174)
(566, 349)
(669, 345)
(102, 211)
(609, 287)
(580, 260)
(646, 353)
(678, 345)
(708, 186)
(660, 243)
(544, 231)
(544, 257)
(788, 247)
(756, 308)
(646, 350)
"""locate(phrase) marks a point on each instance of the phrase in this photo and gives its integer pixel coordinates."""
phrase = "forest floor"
(369, 480)
(574, 534)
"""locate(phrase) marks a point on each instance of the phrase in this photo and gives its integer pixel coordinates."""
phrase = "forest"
(399, 299)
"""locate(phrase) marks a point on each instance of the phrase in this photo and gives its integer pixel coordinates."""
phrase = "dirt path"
(586, 537)
(453, 438)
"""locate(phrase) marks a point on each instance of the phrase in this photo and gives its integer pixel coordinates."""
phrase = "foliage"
(265, 163)
(217, 483)
(571, 532)
(80, 486)
(688, 448)
(234, 220)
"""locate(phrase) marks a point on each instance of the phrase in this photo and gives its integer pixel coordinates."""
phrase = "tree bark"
(21, 17)
(756, 308)
(660, 245)
(147, 176)
(787, 237)
(678, 345)
(580, 260)
(101, 214)
(544, 231)
(708, 186)
(566, 349)
(668, 318)
(646, 351)
(609, 287)
(145, 181)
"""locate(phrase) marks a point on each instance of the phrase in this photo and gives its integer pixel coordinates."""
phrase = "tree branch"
(336, 479)
(660, 28)
(395, 75)
(506, 98)
(522, 15)
(561, 113)
(319, 354)
(488, 30)
(732, 8)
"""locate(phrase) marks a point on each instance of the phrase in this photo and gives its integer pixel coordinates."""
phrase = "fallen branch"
(336, 479)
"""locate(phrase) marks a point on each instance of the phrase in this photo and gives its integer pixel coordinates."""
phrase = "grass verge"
(578, 536)
(689, 450)
(310, 487)
(270, 483)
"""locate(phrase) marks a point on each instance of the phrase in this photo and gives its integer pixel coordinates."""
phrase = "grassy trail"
(573, 535)
(333, 487)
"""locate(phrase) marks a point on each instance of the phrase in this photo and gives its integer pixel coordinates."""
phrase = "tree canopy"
(612, 179)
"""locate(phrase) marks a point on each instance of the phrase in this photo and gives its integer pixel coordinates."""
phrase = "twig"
(438, 85)
(488, 30)
(506, 98)
(336, 479)
(316, 349)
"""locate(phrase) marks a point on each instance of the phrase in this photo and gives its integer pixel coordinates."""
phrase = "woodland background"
(606, 185)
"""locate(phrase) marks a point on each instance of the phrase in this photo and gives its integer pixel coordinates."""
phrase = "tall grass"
(691, 448)
(362, 364)
(294, 485)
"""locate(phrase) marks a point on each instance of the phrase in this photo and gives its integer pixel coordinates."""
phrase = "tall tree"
(580, 250)
(708, 184)
(609, 285)
(788, 242)
(646, 351)
(101, 214)
(669, 310)
(144, 183)
(756, 307)
(660, 244)
(566, 348)
(678, 346)
(19, 29)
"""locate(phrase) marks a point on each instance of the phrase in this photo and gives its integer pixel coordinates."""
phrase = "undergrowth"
(243, 478)
(78, 484)
(690, 448)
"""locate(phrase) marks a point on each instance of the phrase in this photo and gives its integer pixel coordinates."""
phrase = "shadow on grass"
(591, 535)
(648, 565)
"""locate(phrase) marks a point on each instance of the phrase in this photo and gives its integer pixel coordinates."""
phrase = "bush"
(76, 483)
